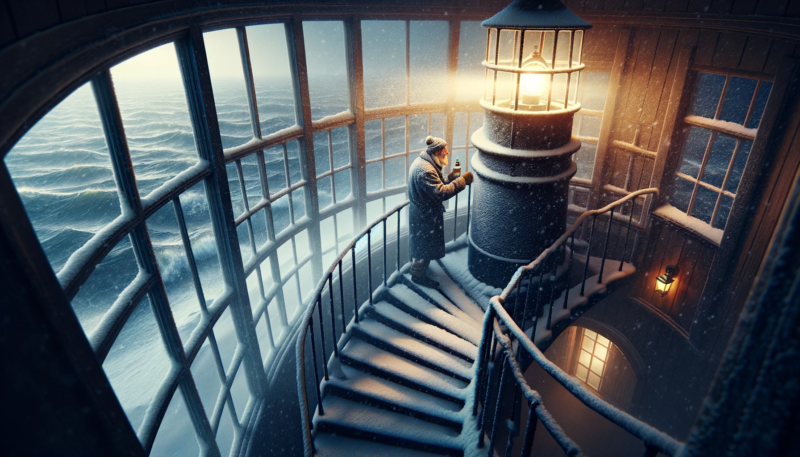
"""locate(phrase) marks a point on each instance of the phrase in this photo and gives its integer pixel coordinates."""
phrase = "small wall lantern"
(664, 282)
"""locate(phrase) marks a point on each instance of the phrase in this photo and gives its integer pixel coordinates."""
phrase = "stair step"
(371, 359)
(410, 348)
(436, 297)
(455, 294)
(389, 315)
(329, 445)
(381, 393)
(422, 309)
(348, 418)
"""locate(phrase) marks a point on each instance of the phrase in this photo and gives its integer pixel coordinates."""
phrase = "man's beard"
(443, 160)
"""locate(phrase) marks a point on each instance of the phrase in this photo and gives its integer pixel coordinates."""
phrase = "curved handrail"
(653, 439)
(306, 323)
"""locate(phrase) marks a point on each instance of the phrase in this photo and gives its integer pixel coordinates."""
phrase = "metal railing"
(502, 328)
(335, 273)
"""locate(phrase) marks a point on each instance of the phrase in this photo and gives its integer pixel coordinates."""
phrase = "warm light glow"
(531, 87)
(663, 284)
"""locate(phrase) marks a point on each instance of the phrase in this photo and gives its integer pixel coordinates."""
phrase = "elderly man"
(427, 189)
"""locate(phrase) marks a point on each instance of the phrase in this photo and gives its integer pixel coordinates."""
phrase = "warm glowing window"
(722, 123)
(592, 359)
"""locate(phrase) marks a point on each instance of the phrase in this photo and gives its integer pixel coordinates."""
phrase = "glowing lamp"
(533, 57)
(664, 282)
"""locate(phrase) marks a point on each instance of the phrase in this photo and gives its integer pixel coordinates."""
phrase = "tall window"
(592, 359)
(722, 123)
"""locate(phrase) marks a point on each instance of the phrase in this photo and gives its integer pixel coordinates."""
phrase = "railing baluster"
(605, 248)
(588, 255)
(516, 302)
(627, 232)
(530, 430)
(385, 272)
(341, 297)
(483, 357)
(527, 297)
(552, 294)
(369, 263)
(469, 208)
(500, 389)
(333, 316)
(398, 240)
(511, 434)
(569, 270)
(355, 283)
(322, 337)
(487, 392)
(316, 371)
(455, 218)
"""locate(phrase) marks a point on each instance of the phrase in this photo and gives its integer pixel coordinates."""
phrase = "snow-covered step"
(329, 445)
(389, 315)
(371, 359)
(410, 348)
(455, 293)
(438, 299)
(348, 418)
(381, 393)
(406, 299)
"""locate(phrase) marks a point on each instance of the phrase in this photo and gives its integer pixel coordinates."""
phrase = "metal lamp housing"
(664, 282)
(525, 147)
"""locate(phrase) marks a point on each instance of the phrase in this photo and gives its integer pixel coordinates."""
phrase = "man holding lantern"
(427, 189)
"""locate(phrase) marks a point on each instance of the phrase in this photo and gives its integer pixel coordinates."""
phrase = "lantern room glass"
(533, 70)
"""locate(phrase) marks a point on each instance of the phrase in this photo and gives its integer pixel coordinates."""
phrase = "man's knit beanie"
(435, 144)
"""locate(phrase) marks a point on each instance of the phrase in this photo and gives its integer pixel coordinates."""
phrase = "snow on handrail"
(652, 437)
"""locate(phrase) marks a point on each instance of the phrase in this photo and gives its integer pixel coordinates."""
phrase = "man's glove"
(451, 176)
(468, 177)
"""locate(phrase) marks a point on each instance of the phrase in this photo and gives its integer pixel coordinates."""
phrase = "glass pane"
(506, 89)
(275, 319)
(589, 334)
(597, 366)
(593, 381)
(201, 236)
(230, 91)
(374, 210)
(693, 151)
(301, 245)
(344, 221)
(577, 47)
(341, 147)
(264, 334)
(681, 194)
(600, 351)
(106, 283)
(704, 204)
(259, 223)
(564, 47)
(244, 242)
(723, 212)
(374, 176)
(737, 99)
(137, 363)
(206, 377)
(395, 172)
(239, 391)
(581, 372)
(327, 67)
(272, 76)
(307, 280)
(417, 131)
(459, 130)
(706, 95)
(152, 101)
(174, 434)
(295, 170)
(225, 432)
(372, 133)
(437, 125)
(292, 297)
(587, 344)
(281, 218)
(718, 160)
(590, 126)
(324, 192)
(286, 258)
(471, 52)
(299, 203)
(174, 268)
(62, 172)
(508, 45)
(322, 160)
(254, 292)
(384, 54)
(328, 234)
(276, 171)
(342, 183)
(225, 333)
(585, 160)
(429, 41)
(235, 189)
(585, 358)
(760, 103)
(738, 166)
(602, 340)
(252, 182)
(395, 131)
(266, 274)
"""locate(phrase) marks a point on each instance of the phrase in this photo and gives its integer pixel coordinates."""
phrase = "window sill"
(691, 224)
